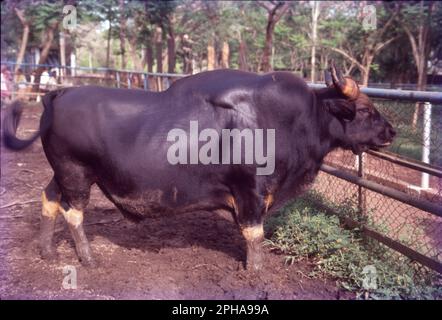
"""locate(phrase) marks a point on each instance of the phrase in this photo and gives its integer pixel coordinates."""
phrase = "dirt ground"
(192, 256)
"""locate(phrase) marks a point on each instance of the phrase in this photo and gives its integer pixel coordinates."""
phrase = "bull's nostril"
(392, 132)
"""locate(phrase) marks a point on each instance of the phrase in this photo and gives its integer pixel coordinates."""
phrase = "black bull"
(117, 139)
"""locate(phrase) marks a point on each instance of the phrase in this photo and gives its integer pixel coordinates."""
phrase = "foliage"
(339, 27)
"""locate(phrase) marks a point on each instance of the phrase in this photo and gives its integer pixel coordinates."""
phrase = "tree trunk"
(90, 54)
(149, 60)
(122, 34)
(109, 33)
(323, 60)
(243, 55)
(24, 40)
(365, 72)
(348, 68)
(137, 63)
(62, 54)
(186, 44)
(159, 49)
(158, 39)
(420, 48)
(133, 52)
(211, 56)
(315, 16)
(148, 53)
(47, 45)
(421, 86)
(275, 12)
(171, 53)
(225, 53)
(265, 60)
(44, 54)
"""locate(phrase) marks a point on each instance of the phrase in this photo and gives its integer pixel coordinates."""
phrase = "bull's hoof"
(254, 264)
(48, 254)
(88, 262)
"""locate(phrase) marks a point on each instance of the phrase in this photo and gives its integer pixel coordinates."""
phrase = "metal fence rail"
(71, 76)
(407, 95)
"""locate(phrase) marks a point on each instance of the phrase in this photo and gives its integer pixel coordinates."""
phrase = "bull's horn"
(346, 85)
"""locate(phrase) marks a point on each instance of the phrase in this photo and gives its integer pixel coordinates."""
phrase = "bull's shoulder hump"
(284, 79)
(212, 82)
(283, 86)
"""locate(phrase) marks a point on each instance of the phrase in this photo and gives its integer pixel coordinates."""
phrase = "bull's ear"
(341, 109)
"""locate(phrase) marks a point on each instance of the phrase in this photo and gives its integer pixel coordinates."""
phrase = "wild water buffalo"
(180, 150)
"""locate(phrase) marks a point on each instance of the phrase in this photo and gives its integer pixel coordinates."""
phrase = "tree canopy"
(191, 36)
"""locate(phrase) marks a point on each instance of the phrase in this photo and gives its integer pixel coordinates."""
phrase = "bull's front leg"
(250, 208)
(254, 236)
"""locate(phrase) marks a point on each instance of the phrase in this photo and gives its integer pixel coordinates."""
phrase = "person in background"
(52, 82)
(44, 79)
(21, 84)
(20, 79)
(6, 83)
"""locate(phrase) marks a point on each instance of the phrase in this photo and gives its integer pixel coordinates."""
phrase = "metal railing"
(407, 95)
(120, 78)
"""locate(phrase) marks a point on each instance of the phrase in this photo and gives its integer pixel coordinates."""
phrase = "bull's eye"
(364, 110)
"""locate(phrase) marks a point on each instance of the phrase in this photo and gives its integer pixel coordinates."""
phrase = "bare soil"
(192, 256)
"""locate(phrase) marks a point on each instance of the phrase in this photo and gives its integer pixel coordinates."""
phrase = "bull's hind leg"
(75, 184)
(74, 218)
(50, 209)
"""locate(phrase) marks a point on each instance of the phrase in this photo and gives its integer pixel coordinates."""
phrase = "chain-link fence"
(418, 231)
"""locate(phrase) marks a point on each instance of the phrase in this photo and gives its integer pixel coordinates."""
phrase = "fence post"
(129, 82)
(73, 64)
(118, 79)
(426, 143)
(159, 83)
(361, 191)
(146, 85)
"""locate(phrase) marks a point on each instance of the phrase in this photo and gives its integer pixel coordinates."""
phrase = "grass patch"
(301, 231)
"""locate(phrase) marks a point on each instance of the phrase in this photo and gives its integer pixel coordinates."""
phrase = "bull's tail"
(12, 119)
